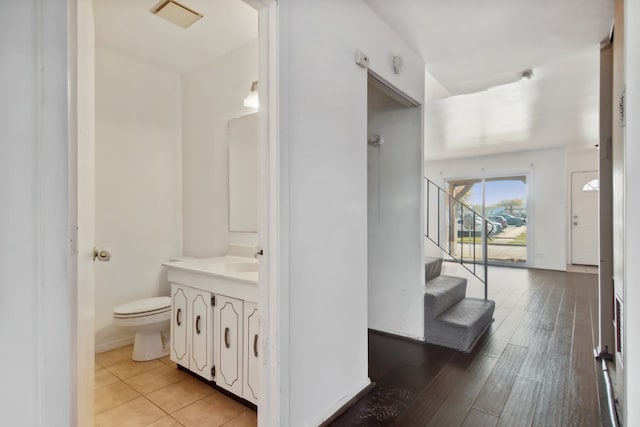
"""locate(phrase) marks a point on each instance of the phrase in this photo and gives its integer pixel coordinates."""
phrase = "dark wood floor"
(534, 367)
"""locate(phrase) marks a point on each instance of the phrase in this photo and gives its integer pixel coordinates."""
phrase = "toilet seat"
(143, 308)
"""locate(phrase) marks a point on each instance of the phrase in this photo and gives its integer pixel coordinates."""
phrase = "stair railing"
(455, 223)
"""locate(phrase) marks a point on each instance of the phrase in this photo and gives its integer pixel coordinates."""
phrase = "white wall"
(433, 88)
(582, 160)
(631, 208)
(211, 96)
(138, 184)
(37, 305)
(619, 232)
(395, 259)
(323, 185)
(546, 196)
(578, 160)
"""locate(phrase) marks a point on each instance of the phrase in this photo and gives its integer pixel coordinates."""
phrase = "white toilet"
(148, 318)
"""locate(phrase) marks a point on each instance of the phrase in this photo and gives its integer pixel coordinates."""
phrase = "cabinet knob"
(198, 324)
(227, 344)
(178, 320)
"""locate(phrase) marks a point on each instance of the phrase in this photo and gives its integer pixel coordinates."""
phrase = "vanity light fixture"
(251, 100)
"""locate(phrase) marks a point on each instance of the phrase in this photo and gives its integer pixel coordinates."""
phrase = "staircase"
(450, 318)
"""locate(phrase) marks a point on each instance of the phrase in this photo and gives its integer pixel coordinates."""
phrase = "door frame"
(273, 234)
(273, 288)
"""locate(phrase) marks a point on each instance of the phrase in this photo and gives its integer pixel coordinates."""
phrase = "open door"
(82, 206)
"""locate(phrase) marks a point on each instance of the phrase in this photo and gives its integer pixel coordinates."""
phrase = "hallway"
(534, 367)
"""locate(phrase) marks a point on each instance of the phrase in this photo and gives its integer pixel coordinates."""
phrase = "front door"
(584, 218)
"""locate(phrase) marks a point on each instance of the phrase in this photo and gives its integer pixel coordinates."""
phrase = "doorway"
(394, 223)
(584, 218)
(141, 139)
(162, 166)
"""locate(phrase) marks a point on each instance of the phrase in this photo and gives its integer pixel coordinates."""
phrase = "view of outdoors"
(504, 203)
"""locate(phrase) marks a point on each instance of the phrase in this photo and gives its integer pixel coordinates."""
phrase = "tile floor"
(157, 394)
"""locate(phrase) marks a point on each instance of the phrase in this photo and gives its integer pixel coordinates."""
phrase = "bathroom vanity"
(215, 321)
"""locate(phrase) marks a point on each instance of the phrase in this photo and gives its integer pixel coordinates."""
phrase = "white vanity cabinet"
(215, 322)
(251, 352)
(179, 345)
(192, 330)
(228, 354)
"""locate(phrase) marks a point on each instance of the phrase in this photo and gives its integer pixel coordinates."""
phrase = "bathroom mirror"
(243, 173)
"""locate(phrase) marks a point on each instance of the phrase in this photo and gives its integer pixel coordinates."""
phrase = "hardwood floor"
(534, 367)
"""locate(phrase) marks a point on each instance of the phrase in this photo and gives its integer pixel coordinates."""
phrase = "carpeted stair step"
(432, 268)
(461, 325)
(441, 293)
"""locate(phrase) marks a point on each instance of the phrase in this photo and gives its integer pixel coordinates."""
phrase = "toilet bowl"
(148, 318)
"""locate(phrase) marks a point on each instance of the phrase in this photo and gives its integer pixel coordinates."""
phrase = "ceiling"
(476, 52)
(128, 26)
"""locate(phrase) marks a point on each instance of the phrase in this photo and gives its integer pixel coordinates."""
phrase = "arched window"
(592, 185)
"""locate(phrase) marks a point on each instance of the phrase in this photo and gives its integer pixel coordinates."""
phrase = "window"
(592, 185)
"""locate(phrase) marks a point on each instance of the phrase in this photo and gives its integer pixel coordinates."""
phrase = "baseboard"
(402, 337)
(112, 345)
(344, 408)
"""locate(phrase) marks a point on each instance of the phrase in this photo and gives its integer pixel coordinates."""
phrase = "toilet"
(148, 318)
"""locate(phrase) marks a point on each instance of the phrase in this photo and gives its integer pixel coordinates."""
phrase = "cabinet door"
(228, 331)
(201, 361)
(251, 352)
(179, 321)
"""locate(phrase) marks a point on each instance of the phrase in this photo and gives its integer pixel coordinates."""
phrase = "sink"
(221, 274)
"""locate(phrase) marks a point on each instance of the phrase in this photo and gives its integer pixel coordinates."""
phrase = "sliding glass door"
(503, 201)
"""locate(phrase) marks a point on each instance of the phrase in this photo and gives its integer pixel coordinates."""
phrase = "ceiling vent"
(176, 13)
